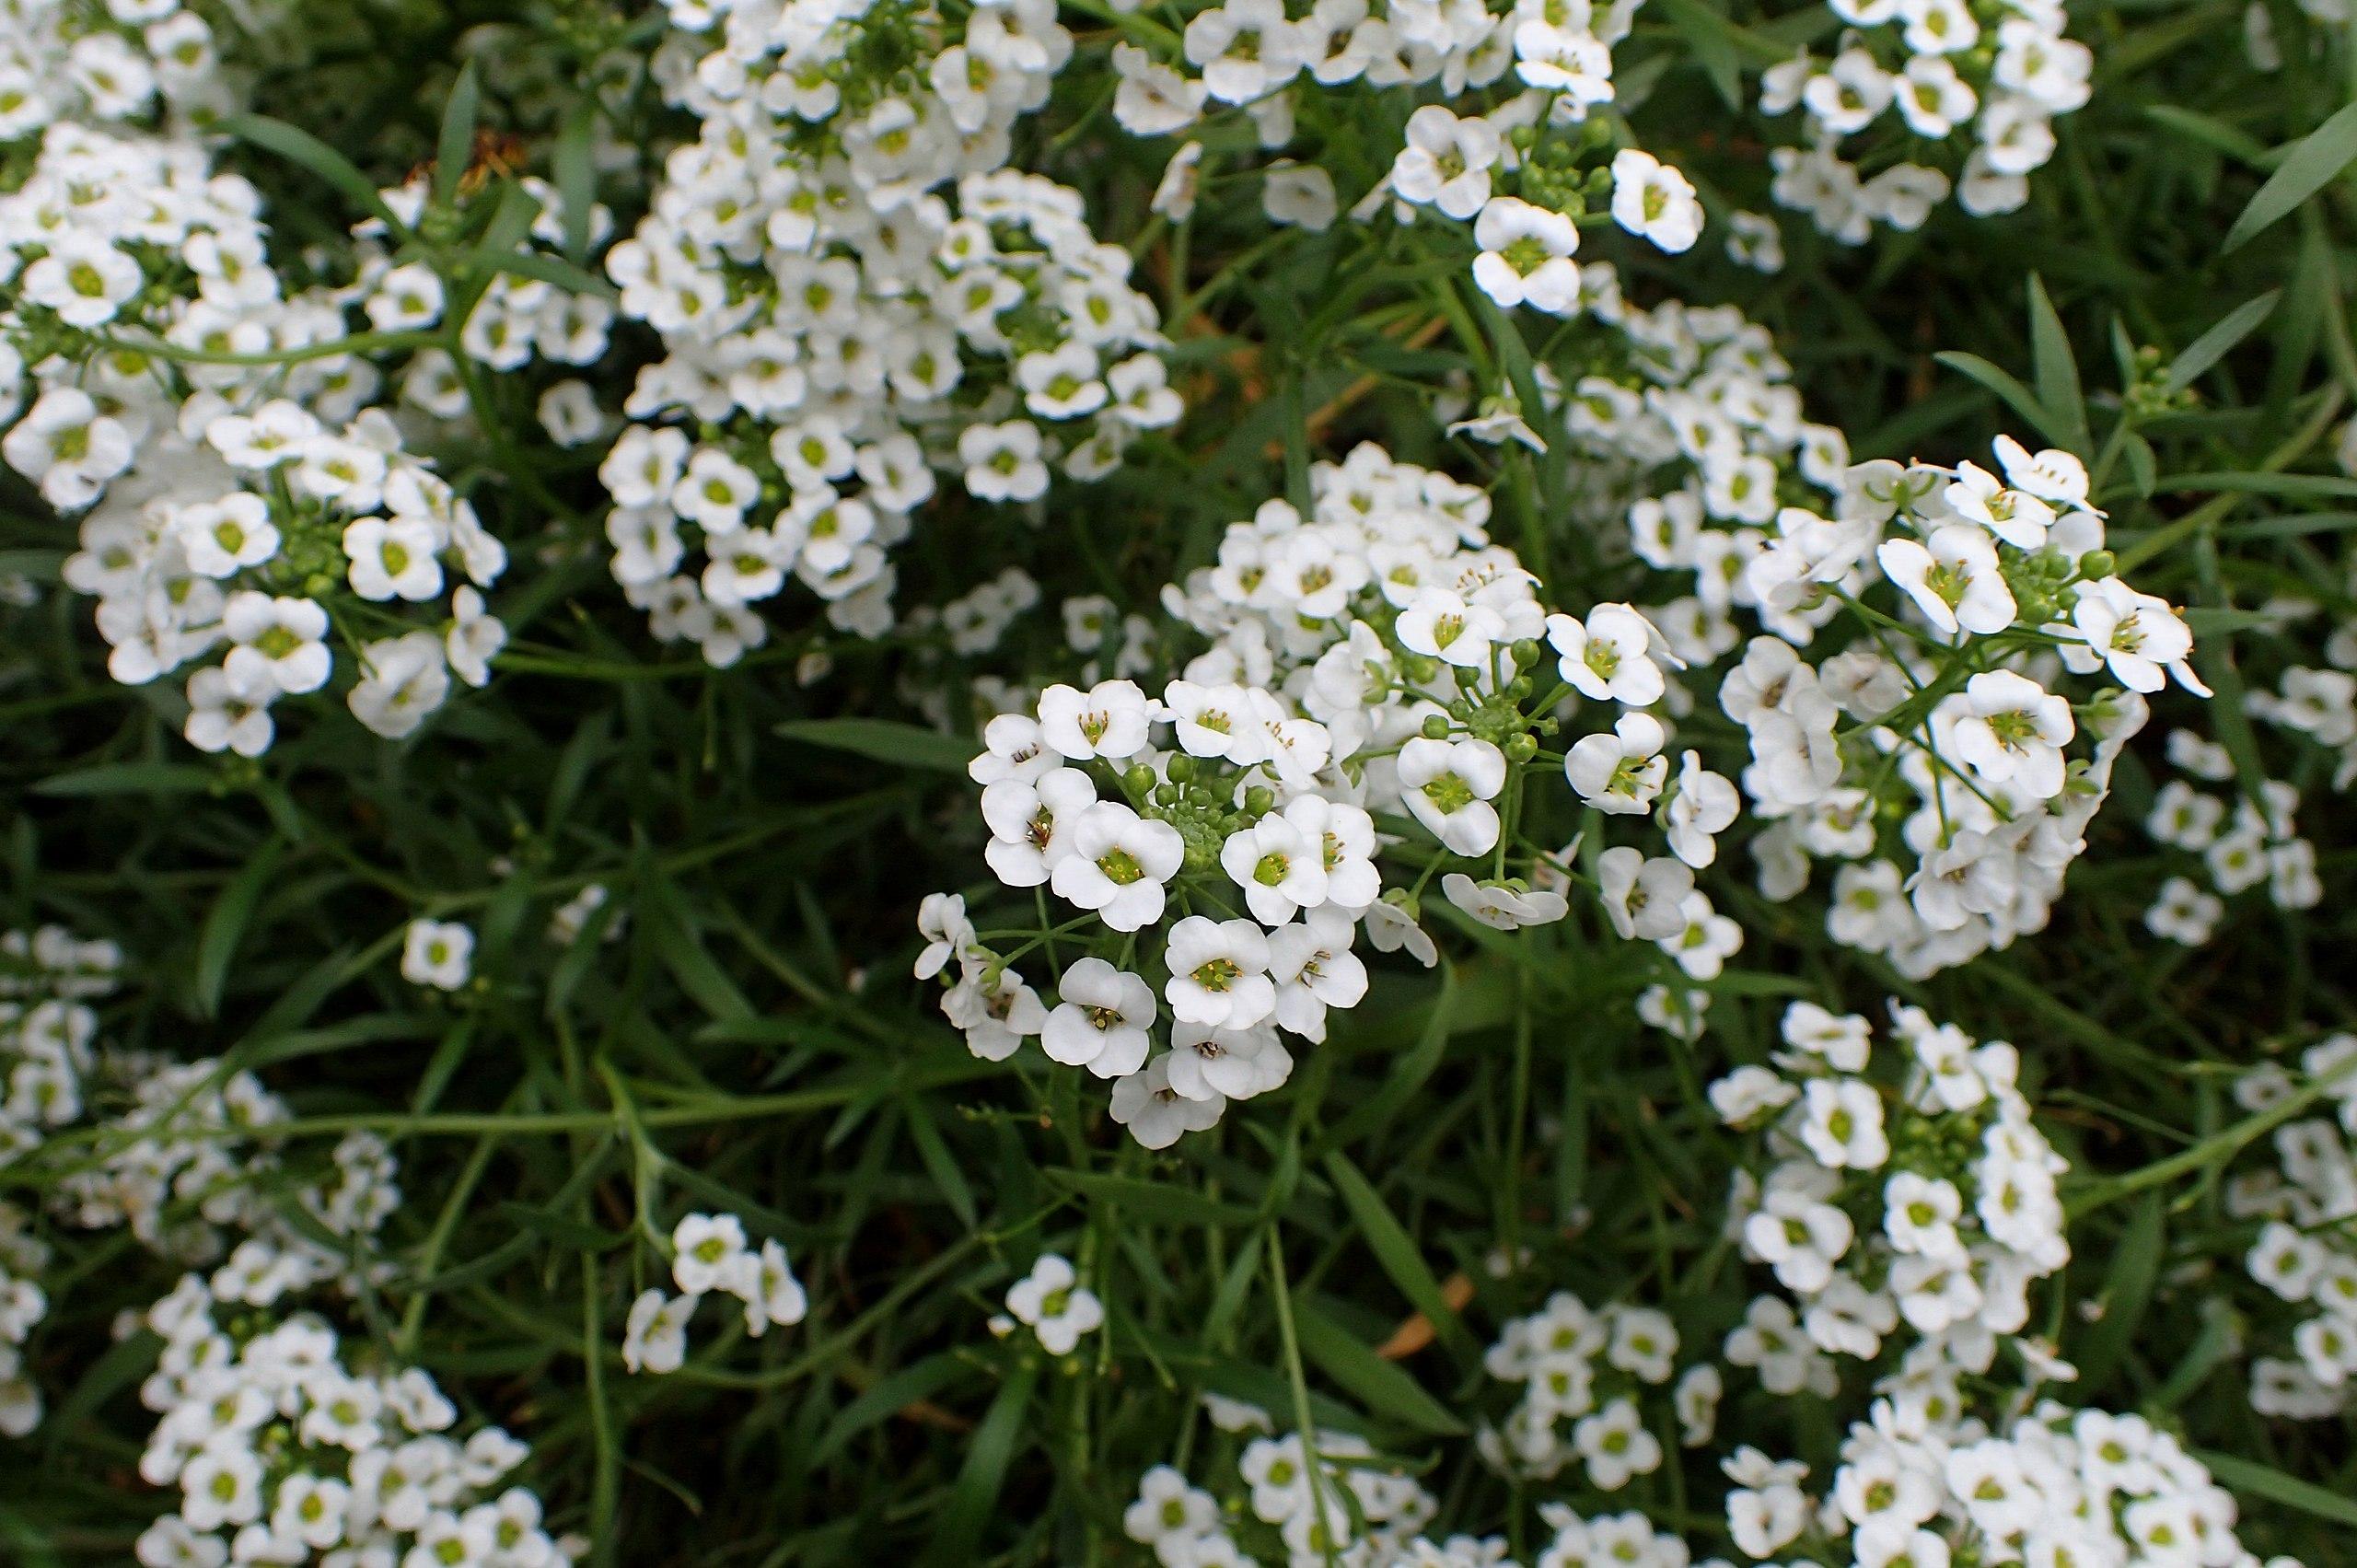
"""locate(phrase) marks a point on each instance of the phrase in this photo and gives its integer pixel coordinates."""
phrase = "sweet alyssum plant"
(1568, 909)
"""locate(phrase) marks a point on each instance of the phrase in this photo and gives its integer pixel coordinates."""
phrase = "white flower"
(225, 717)
(66, 448)
(1609, 656)
(1705, 939)
(1621, 772)
(1392, 928)
(275, 644)
(1314, 969)
(1920, 1215)
(1117, 865)
(2139, 637)
(2020, 519)
(1447, 786)
(2184, 911)
(1643, 899)
(1441, 625)
(1653, 201)
(2009, 729)
(1059, 1308)
(1002, 461)
(223, 538)
(1841, 1123)
(1299, 196)
(437, 953)
(773, 1296)
(1209, 1063)
(1157, 1114)
(221, 1485)
(1280, 869)
(1245, 49)
(1705, 805)
(1219, 973)
(1952, 578)
(1505, 907)
(408, 298)
(1799, 1238)
(1526, 256)
(1101, 1022)
(655, 1337)
(1447, 162)
(82, 278)
(997, 1013)
(475, 638)
(1109, 720)
(709, 1253)
(1031, 823)
(1616, 1446)
(402, 679)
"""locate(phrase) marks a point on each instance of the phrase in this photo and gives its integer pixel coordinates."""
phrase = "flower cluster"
(1973, 753)
(284, 1450)
(1331, 1500)
(127, 62)
(48, 978)
(1590, 1367)
(1908, 78)
(1928, 1482)
(1052, 1302)
(1378, 654)
(180, 1155)
(2305, 1250)
(835, 329)
(710, 1254)
(2239, 845)
(1910, 1188)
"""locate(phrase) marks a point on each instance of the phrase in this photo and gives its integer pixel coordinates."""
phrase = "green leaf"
(919, 1381)
(1155, 1200)
(989, 1452)
(2055, 368)
(1385, 1389)
(939, 1163)
(129, 778)
(2219, 341)
(2127, 1292)
(224, 927)
(576, 174)
(2217, 621)
(2017, 396)
(2308, 166)
(886, 741)
(454, 146)
(1396, 1250)
(683, 952)
(556, 269)
(2243, 1475)
(2144, 468)
(301, 148)
(1709, 33)
(1409, 1071)
(2213, 134)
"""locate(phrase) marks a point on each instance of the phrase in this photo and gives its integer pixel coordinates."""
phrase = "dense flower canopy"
(1353, 784)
